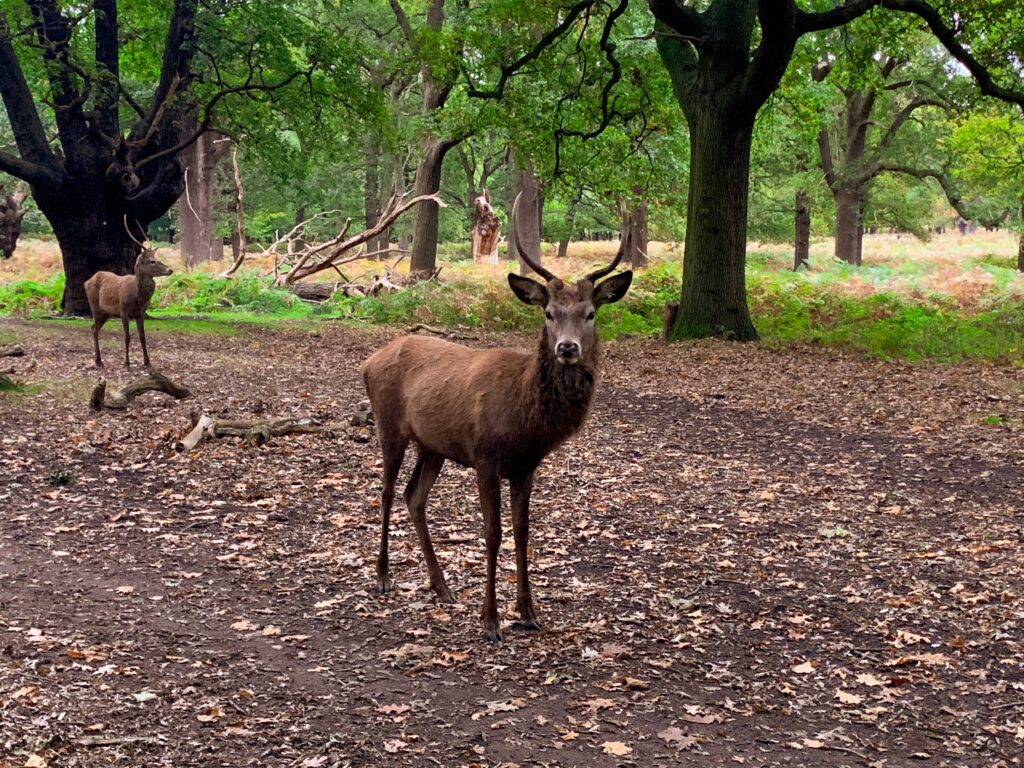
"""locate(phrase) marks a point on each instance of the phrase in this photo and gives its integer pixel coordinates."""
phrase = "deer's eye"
(548, 315)
(590, 316)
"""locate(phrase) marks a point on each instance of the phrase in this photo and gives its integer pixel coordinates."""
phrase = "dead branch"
(236, 176)
(118, 399)
(16, 351)
(256, 431)
(443, 332)
(339, 250)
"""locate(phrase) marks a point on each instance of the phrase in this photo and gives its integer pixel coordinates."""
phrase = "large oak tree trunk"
(425, 223)
(848, 224)
(713, 301)
(89, 225)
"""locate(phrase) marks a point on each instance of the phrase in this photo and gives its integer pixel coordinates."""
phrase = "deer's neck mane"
(563, 392)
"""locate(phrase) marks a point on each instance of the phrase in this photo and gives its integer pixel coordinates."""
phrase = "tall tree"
(116, 165)
(722, 74)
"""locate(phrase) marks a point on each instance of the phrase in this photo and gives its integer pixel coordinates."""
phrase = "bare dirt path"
(767, 558)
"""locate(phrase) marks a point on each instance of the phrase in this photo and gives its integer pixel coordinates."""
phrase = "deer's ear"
(612, 289)
(528, 291)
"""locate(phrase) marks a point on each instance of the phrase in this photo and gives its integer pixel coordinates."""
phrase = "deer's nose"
(567, 349)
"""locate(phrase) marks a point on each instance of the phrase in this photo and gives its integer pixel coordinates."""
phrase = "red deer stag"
(124, 296)
(498, 410)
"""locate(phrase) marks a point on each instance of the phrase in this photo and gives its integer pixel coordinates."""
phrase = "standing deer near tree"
(124, 296)
(500, 411)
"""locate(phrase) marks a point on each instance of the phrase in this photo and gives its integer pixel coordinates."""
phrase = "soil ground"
(747, 556)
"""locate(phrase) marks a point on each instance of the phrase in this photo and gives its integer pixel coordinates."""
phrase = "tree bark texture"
(713, 300)
(848, 225)
(425, 222)
(373, 191)
(529, 215)
(802, 229)
(636, 223)
(197, 204)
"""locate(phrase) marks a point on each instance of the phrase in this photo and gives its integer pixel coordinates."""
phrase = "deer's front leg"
(127, 339)
(142, 339)
(490, 501)
(520, 501)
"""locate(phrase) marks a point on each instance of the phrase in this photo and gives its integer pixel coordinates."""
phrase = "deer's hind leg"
(98, 319)
(393, 448)
(428, 465)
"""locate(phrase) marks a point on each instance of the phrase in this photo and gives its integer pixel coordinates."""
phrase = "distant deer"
(498, 410)
(124, 296)
(486, 230)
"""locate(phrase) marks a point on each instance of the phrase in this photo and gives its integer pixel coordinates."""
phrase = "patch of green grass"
(29, 298)
(881, 310)
(993, 420)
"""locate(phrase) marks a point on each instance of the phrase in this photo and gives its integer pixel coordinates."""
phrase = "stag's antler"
(129, 231)
(519, 248)
(623, 243)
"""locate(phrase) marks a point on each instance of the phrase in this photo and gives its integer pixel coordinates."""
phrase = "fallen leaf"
(848, 698)
(615, 748)
(803, 669)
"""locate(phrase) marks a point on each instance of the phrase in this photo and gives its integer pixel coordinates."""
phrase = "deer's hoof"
(494, 636)
(383, 585)
(530, 625)
(444, 595)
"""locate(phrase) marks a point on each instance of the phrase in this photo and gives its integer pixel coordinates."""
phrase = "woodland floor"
(748, 556)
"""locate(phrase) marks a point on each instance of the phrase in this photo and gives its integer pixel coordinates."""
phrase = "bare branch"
(509, 70)
(947, 37)
(951, 193)
(338, 250)
(903, 115)
(837, 17)
(684, 21)
(208, 112)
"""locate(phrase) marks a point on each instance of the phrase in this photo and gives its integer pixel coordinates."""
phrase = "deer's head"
(569, 310)
(147, 265)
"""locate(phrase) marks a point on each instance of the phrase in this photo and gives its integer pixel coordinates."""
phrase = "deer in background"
(486, 230)
(500, 411)
(124, 296)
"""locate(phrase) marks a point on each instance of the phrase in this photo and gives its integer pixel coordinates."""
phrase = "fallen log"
(118, 399)
(256, 431)
(16, 351)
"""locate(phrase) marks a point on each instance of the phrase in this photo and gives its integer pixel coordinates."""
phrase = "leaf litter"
(748, 555)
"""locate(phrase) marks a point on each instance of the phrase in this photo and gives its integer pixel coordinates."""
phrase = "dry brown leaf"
(615, 748)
